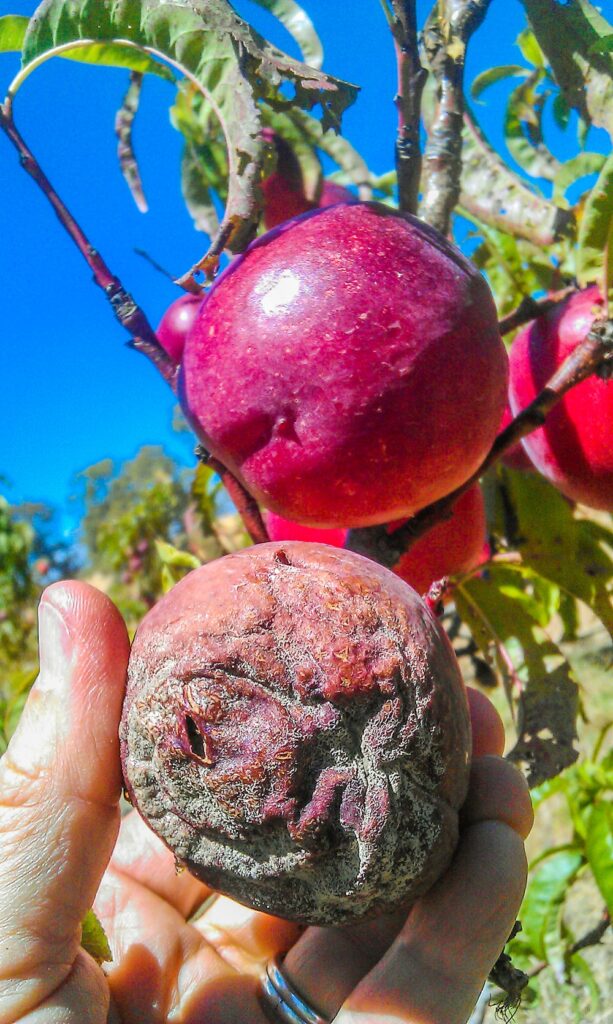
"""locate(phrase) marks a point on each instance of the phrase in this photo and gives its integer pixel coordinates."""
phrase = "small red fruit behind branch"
(176, 323)
(296, 730)
(574, 448)
(347, 368)
(283, 529)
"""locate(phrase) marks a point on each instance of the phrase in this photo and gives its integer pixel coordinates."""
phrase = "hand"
(63, 847)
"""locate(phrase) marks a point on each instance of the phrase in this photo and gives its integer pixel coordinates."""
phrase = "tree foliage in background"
(534, 224)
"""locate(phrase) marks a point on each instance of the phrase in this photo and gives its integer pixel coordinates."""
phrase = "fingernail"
(54, 646)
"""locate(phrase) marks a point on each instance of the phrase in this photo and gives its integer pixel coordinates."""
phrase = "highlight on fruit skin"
(372, 375)
(574, 448)
(296, 730)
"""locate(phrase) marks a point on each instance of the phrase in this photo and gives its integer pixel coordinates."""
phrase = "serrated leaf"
(12, 32)
(229, 63)
(299, 25)
(575, 168)
(567, 33)
(493, 75)
(174, 557)
(536, 674)
(595, 228)
(599, 848)
(545, 894)
(94, 940)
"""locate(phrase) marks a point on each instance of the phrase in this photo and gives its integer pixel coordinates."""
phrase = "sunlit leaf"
(546, 892)
(523, 130)
(497, 74)
(530, 48)
(300, 26)
(175, 558)
(12, 32)
(595, 228)
(599, 848)
(577, 167)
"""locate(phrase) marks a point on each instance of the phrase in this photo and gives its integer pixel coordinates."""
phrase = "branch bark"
(411, 80)
(594, 355)
(591, 938)
(529, 309)
(446, 36)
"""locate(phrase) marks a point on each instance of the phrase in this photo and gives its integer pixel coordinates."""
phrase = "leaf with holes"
(229, 63)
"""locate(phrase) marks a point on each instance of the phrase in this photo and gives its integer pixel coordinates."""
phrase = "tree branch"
(529, 309)
(446, 36)
(594, 355)
(411, 80)
(129, 314)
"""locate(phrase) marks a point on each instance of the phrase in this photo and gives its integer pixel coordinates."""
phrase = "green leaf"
(196, 191)
(580, 967)
(595, 228)
(545, 895)
(229, 64)
(530, 48)
(599, 848)
(12, 32)
(493, 75)
(535, 673)
(299, 25)
(565, 550)
(523, 130)
(575, 168)
(604, 45)
(177, 559)
(561, 111)
(568, 33)
(94, 940)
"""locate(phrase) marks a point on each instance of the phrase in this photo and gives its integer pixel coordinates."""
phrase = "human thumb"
(60, 783)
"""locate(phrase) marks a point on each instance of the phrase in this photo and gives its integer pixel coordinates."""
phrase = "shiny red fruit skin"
(574, 449)
(347, 367)
(516, 457)
(332, 193)
(283, 529)
(452, 547)
(175, 324)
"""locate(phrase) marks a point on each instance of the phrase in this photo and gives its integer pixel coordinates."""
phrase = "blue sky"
(71, 393)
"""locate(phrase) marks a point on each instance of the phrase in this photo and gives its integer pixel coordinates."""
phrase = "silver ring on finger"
(281, 1001)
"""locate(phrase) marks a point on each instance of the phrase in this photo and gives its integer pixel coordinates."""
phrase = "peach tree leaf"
(523, 129)
(577, 167)
(569, 34)
(595, 228)
(599, 848)
(12, 32)
(227, 62)
(545, 895)
(496, 74)
(94, 940)
(299, 25)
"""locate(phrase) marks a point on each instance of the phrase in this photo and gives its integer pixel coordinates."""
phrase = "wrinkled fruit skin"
(516, 457)
(450, 548)
(296, 730)
(177, 321)
(347, 367)
(574, 449)
(283, 529)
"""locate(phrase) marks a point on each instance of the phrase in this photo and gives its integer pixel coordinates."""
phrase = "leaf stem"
(246, 505)
(446, 35)
(594, 355)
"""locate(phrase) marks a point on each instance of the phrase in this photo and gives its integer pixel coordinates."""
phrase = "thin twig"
(529, 309)
(591, 938)
(129, 314)
(594, 355)
(446, 36)
(411, 80)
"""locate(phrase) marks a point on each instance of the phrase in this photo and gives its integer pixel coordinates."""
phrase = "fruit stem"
(445, 39)
(411, 80)
(246, 506)
(129, 314)
(593, 355)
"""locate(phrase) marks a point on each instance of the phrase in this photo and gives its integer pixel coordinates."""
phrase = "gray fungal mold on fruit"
(296, 731)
